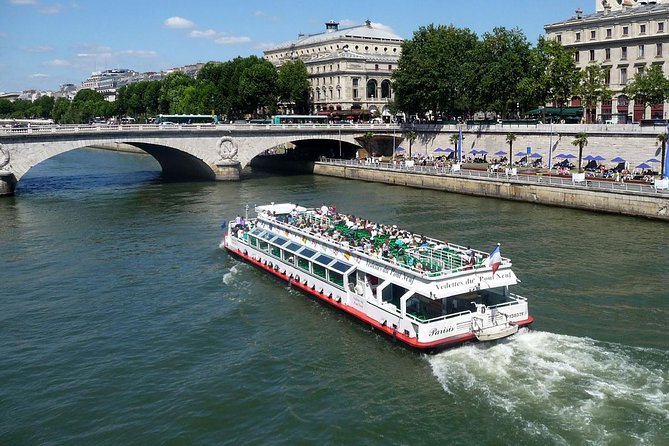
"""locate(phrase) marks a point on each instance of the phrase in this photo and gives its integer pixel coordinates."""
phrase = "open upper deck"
(396, 248)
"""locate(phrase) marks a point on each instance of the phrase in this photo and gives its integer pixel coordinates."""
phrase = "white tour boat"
(423, 292)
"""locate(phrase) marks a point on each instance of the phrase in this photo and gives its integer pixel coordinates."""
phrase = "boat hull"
(412, 342)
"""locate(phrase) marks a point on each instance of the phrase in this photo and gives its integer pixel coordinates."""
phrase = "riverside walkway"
(626, 198)
(590, 183)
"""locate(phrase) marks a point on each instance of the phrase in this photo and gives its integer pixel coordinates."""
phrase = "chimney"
(579, 13)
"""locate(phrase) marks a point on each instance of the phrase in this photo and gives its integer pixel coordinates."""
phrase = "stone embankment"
(639, 204)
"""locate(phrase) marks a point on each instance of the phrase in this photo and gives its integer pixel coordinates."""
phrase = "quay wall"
(625, 203)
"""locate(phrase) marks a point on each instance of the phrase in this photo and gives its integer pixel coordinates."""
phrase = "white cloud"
(382, 26)
(207, 34)
(51, 9)
(57, 63)
(232, 40)
(138, 53)
(38, 75)
(178, 22)
(39, 49)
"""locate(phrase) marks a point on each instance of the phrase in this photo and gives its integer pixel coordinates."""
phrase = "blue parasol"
(535, 155)
(399, 149)
(439, 149)
(644, 166)
(618, 159)
(653, 160)
(449, 150)
(500, 153)
(520, 154)
(589, 158)
(599, 158)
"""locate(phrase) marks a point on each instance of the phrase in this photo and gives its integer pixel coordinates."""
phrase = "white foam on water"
(229, 277)
(563, 388)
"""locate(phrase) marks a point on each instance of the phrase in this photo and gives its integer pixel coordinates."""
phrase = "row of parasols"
(566, 156)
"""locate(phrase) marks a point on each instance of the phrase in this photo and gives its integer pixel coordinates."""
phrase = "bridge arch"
(208, 153)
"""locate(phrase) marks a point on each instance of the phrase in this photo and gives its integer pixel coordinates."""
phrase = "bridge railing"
(548, 180)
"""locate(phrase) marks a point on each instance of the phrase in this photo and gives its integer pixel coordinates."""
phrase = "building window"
(623, 53)
(660, 27)
(559, 38)
(578, 37)
(639, 70)
(609, 33)
(371, 89)
(623, 76)
(642, 29)
(641, 51)
(577, 57)
(593, 34)
(626, 31)
(607, 77)
(607, 54)
(592, 55)
(658, 50)
(390, 67)
(376, 67)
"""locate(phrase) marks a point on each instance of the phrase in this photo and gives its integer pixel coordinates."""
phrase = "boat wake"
(564, 389)
(229, 277)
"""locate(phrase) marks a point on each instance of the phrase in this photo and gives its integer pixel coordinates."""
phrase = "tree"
(258, 85)
(432, 71)
(510, 138)
(648, 87)
(60, 110)
(580, 141)
(662, 139)
(593, 88)
(499, 62)
(411, 137)
(552, 75)
(293, 85)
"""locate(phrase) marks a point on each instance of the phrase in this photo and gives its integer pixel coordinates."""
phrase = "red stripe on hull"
(412, 342)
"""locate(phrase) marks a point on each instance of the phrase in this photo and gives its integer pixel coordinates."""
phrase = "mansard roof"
(366, 31)
(623, 14)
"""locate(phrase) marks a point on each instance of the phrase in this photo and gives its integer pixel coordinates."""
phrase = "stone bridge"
(188, 152)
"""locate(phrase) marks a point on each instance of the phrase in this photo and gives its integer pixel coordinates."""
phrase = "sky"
(46, 43)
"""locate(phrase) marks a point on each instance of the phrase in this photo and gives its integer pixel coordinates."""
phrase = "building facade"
(349, 69)
(625, 37)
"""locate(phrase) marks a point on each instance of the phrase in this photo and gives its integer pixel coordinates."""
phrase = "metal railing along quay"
(590, 183)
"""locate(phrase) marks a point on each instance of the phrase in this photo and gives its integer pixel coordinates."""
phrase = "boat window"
(289, 257)
(293, 247)
(303, 263)
(280, 241)
(306, 252)
(275, 251)
(341, 266)
(325, 260)
(319, 270)
(256, 231)
(254, 241)
(263, 245)
(267, 235)
(336, 278)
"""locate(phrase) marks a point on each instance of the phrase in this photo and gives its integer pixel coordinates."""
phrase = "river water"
(123, 322)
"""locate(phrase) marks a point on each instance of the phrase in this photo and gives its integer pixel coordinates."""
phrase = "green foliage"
(593, 87)
(432, 73)
(552, 75)
(649, 87)
(580, 141)
(510, 138)
(499, 63)
(293, 85)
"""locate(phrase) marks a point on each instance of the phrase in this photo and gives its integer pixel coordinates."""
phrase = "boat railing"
(436, 258)
(436, 319)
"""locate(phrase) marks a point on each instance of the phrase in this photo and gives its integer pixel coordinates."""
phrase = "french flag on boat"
(495, 259)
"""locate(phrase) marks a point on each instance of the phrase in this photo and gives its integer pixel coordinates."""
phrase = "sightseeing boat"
(426, 293)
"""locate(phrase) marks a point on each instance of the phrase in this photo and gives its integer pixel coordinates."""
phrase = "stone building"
(349, 69)
(625, 37)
